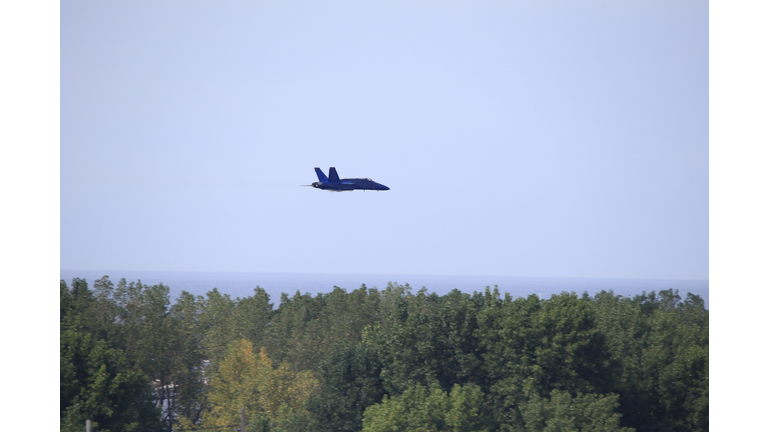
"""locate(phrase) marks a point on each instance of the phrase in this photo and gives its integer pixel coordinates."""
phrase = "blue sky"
(551, 139)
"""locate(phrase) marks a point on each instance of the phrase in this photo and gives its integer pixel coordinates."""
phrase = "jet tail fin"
(333, 175)
(320, 175)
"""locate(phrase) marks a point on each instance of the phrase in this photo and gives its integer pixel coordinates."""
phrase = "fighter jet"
(335, 184)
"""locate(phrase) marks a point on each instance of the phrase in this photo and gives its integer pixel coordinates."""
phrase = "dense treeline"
(381, 360)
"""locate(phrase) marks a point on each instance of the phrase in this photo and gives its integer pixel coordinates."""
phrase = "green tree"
(427, 339)
(351, 382)
(662, 345)
(204, 327)
(77, 306)
(251, 317)
(97, 381)
(387, 360)
(97, 384)
(419, 409)
(216, 312)
(295, 334)
(346, 315)
(304, 328)
(533, 347)
(149, 336)
(188, 371)
(564, 412)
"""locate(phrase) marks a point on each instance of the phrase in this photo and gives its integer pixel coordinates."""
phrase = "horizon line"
(381, 274)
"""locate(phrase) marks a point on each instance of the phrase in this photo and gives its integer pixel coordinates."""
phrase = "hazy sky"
(558, 139)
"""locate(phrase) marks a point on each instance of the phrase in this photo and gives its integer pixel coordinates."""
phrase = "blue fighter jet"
(335, 184)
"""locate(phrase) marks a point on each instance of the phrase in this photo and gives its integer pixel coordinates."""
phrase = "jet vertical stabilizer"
(333, 175)
(321, 176)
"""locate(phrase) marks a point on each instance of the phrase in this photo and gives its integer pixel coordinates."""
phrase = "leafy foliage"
(247, 380)
(96, 381)
(564, 412)
(376, 360)
(420, 409)
(662, 345)
(351, 381)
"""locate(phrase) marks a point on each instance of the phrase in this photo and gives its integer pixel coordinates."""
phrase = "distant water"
(242, 284)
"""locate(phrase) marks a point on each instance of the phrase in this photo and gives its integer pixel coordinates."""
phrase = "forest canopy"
(380, 360)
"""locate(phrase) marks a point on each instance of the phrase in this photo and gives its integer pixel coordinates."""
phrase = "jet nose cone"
(384, 187)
